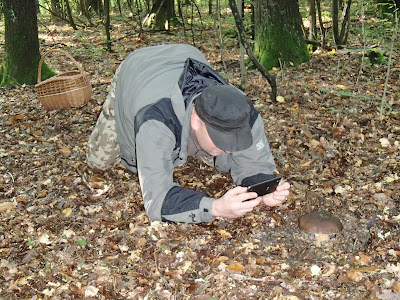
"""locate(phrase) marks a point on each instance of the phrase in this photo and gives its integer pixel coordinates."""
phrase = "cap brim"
(231, 141)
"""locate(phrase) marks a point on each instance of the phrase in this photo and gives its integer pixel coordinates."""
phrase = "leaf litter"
(66, 232)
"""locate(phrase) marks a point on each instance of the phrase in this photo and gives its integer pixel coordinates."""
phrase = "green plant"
(31, 243)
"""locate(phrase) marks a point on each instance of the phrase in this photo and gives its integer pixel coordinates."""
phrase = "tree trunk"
(56, 12)
(69, 15)
(119, 7)
(164, 13)
(321, 23)
(278, 33)
(242, 38)
(340, 34)
(21, 56)
(312, 33)
(107, 24)
(84, 8)
(242, 63)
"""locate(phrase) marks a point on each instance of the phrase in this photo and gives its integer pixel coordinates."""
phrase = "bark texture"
(21, 44)
(278, 34)
(164, 13)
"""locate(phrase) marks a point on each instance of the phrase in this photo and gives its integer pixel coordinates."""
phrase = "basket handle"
(60, 51)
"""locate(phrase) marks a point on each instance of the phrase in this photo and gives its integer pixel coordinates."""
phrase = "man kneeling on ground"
(166, 103)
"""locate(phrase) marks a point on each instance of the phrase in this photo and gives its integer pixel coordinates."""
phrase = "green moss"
(10, 74)
(280, 46)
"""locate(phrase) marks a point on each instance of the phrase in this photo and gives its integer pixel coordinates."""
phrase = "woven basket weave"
(65, 90)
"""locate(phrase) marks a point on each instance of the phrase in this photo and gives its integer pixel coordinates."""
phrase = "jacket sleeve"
(163, 199)
(252, 165)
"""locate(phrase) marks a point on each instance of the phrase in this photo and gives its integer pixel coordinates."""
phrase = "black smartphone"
(264, 187)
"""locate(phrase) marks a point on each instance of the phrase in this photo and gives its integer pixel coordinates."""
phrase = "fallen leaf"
(91, 291)
(342, 87)
(186, 265)
(315, 270)
(280, 99)
(222, 258)
(224, 233)
(5, 206)
(42, 194)
(354, 275)
(20, 199)
(44, 239)
(396, 286)
(83, 243)
(15, 118)
(364, 259)
(67, 211)
(123, 248)
(384, 142)
(65, 151)
(237, 267)
(390, 179)
(68, 233)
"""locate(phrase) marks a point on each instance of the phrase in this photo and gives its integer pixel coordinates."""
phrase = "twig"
(383, 102)
(263, 279)
(84, 180)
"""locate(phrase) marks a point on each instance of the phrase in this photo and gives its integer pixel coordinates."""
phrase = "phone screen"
(264, 187)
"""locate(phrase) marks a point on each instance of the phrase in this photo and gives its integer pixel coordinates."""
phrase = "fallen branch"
(84, 180)
(262, 279)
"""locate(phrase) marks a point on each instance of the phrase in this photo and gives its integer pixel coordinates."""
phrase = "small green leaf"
(345, 93)
(31, 242)
(47, 266)
(321, 89)
(83, 243)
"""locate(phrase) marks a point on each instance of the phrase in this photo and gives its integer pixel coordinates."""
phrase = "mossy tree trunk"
(278, 35)
(21, 56)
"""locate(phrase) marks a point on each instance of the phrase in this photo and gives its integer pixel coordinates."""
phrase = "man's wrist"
(205, 208)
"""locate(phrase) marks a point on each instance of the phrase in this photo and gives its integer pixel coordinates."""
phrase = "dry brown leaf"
(222, 258)
(5, 206)
(20, 199)
(224, 233)
(237, 267)
(365, 260)
(15, 118)
(65, 151)
(42, 194)
(396, 286)
(354, 275)
(140, 242)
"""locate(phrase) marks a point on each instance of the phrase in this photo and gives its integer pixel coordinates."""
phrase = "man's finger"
(252, 202)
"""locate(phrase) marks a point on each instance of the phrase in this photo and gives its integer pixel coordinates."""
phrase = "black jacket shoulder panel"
(162, 111)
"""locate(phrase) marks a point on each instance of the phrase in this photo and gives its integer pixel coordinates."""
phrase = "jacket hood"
(196, 76)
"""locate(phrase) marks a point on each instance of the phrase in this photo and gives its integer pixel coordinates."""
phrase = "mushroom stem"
(319, 238)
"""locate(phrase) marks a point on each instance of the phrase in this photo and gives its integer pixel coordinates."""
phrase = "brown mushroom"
(321, 224)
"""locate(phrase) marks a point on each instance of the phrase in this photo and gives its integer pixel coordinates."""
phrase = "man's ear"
(194, 120)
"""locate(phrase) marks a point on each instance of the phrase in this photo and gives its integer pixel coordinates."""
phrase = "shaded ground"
(68, 233)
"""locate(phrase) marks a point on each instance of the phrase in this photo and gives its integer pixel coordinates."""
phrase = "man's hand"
(231, 204)
(277, 197)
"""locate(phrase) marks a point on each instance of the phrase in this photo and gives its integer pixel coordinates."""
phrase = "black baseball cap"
(226, 113)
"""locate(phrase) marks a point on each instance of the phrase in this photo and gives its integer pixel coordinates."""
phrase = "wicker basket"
(66, 90)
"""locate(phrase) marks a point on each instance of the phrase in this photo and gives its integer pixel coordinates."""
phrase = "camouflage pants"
(102, 147)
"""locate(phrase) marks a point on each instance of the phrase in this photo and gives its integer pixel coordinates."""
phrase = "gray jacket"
(154, 100)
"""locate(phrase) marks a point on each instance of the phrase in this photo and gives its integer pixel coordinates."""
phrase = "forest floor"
(66, 233)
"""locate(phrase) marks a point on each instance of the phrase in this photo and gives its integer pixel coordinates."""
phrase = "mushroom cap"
(320, 223)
